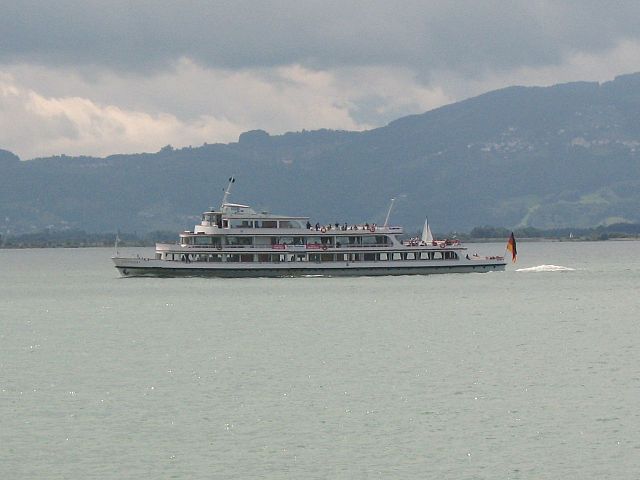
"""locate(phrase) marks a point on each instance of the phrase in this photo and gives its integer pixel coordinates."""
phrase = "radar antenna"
(227, 192)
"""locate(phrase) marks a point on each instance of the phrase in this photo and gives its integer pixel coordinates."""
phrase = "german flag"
(511, 246)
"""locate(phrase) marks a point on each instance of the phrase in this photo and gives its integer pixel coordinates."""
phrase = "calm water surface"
(530, 374)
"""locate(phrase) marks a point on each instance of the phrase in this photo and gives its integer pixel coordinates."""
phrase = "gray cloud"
(79, 77)
(426, 36)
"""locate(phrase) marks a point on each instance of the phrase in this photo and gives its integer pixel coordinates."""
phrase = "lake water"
(530, 374)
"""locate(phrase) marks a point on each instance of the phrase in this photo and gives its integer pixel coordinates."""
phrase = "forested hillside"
(549, 157)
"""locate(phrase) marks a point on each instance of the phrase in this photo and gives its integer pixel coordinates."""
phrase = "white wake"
(546, 268)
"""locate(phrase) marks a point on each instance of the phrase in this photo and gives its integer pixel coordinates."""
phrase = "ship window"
(369, 240)
(278, 257)
(246, 258)
(289, 224)
(383, 256)
(209, 217)
(285, 240)
(240, 223)
(411, 256)
(263, 257)
(238, 241)
(266, 223)
(232, 257)
(314, 257)
(396, 256)
(215, 257)
(313, 240)
(424, 255)
(202, 240)
(301, 257)
(263, 241)
(369, 257)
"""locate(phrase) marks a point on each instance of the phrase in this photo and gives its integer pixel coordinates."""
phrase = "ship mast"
(386, 220)
(227, 192)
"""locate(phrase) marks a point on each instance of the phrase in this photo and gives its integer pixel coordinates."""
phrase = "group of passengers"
(414, 242)
(336, 226)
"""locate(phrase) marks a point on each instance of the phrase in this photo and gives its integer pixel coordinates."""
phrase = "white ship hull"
(139, 267)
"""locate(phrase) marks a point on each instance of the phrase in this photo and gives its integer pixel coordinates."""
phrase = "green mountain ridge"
(546, 157)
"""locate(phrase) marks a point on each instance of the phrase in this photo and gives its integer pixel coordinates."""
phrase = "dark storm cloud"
(470, 37)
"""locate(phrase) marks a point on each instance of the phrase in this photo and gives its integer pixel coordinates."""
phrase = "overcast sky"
(102, 77)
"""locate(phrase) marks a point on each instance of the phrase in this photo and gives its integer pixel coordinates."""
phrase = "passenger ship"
(236, 241)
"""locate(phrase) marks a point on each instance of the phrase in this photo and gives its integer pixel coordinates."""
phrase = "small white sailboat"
(427, 236)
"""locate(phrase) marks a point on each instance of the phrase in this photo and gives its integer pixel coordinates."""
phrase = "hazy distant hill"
(566, 155)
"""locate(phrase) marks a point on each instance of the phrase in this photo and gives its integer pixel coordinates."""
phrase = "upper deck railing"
(286, 231)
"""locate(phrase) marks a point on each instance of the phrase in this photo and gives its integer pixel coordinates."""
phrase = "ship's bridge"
(235, 215)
